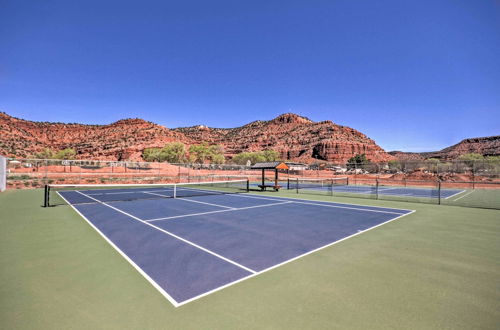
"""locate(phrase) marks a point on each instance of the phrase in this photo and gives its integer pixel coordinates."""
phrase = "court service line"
(290, 260)
(212, 204)
(302, 199)
(217, 211)
(189, 200)
(470, 192)
(326, 205)
(349, 208)
(173, 235)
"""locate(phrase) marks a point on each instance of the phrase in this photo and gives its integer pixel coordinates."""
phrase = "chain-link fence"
(457, 170)
(476, 183)
(458, 193)
(35, 173)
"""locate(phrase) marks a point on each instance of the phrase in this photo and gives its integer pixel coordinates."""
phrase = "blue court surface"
(190, 247)
(424, 192)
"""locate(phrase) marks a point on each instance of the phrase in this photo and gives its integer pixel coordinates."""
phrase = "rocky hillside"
(124, 139)
(295, 137)
(486, 146)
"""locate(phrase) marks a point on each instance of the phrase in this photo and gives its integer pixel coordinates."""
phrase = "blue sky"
(412, 75)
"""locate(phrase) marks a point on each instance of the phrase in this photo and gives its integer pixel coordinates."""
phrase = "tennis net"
(60, 194)
(319, 186)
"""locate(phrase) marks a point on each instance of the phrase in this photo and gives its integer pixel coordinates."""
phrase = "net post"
(376, 188)
(331, 186)
(46, 196)
(297, 185)
(175, 191)
(347, 181)
(248, 185)
(288, 184)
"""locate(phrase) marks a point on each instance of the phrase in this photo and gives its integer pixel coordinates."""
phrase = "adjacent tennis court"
(342, 185)
(208, 238)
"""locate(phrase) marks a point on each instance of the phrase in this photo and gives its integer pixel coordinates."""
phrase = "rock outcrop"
(486, 146)
(124, 139)
(294, 137)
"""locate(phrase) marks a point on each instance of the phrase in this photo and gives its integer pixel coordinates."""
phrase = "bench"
(264, 186)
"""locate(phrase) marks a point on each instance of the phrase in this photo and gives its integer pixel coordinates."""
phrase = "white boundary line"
(139, 269)
(200, 202)
(254, 273)
(382, 190)
(349, 208)
(173, 235)
(277, 198)
(455, 194)
(217, 211)
(470, 192)
(326, 205)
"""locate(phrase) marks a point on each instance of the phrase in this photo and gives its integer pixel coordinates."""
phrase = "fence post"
(439, 192)
(473, 173)
(46, 174)
(46, 196)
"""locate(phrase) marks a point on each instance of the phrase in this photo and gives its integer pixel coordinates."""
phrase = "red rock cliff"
(295, 137)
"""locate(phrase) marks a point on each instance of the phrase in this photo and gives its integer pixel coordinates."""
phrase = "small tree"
(242, 158)
(151, 154)
(469, 160)
(201, 153)
(173, 153)
(271, 155)
(394, 165)
(433, 164)
(46, 153)
(217, 154)
(471, 157)
(67, 153)
(357, 161)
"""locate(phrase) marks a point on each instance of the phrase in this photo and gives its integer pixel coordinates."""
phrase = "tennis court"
(207, 238)
(341, 185)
